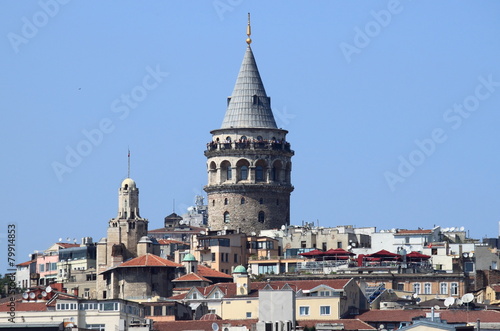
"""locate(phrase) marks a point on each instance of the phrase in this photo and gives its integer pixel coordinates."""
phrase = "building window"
(427, 288)
(42, 267)
(213, 257)
(304, 311)
(401, 286)
(249, 314)
(416, 288)
(407, 240)
(226, 217)
(229, 173)
(216, 295)
(302, 244)
(235, 258)
(454, 289)
(259, 173)
(262, 216)
(242, 201)
(244, 172)
(213, 202)
(324, 310)
(261, 201)
(434, 251)
(194, 296)
(443, 288)
(225, 201)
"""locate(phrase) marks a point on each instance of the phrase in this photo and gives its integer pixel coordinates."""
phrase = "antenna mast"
(128, 172)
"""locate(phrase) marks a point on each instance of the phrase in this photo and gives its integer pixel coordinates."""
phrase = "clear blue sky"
(356, 83)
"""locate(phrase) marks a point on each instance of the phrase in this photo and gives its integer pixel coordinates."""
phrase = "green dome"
(189, 258)
(240, 269)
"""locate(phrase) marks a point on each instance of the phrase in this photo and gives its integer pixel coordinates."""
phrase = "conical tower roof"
(249, 106)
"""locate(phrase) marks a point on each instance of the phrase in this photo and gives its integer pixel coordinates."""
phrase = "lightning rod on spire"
(249, 31)
(128, 171)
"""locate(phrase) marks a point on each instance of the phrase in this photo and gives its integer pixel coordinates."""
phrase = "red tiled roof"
(201, 325)
(210, 317)
(229, 289)
(420, 231)
(24, 306)
(451, 316)
(495, 287)
(68, 245)
(349, 324)
(192, 277)
(24, 264)
(170, 241)
(207, 272)
(149, 260)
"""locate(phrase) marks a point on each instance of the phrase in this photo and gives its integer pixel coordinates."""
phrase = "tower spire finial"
(249, 31)
(128, 172)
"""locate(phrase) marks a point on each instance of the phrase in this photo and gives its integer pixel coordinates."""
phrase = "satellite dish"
(471, 254)
(458, 302)
(25, 295)
(349, 247)
(44, 294)
(446, 229)
(253, 233)
(215, 327)
(353, 244)
(452, 229)
(283, 227)
(32, 295)
(436, 307)
(449, 301)
(60, 239)
(202, 232)
(381, 326)
(48, 289)
(466, 255)
(467, 297)
(415, 295)
(462, 228)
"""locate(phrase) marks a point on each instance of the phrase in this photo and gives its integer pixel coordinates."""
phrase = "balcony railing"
(259, 145)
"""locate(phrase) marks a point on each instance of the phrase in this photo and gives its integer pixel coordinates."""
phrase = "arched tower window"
(126, 186)
(262, 216)
(225, 201)
(244, 172)
(242, 201)
(259, 173)
(261, 201)
(226, 217)
(213, 202)
(226, 171)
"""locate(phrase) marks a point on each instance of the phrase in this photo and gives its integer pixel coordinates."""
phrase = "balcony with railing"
(276, 145)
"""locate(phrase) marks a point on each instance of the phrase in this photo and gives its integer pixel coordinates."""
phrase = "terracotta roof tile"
(201, 325)
(191, 277)
(24, 264)
(207, 272)
(229, 289)
(171, 241)
(25, 306)
(68, 245)
(451, 316)
(149, 260)
(349, 324)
